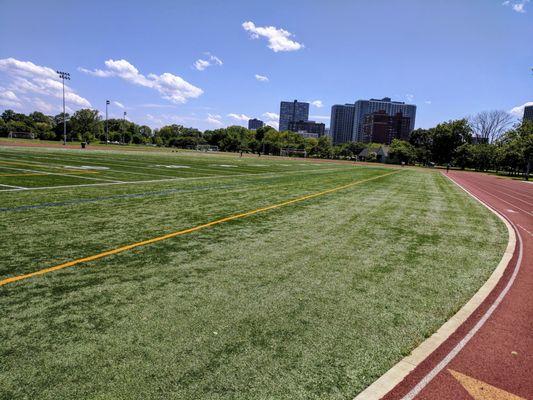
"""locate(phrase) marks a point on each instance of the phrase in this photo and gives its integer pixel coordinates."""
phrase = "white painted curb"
(398, 372)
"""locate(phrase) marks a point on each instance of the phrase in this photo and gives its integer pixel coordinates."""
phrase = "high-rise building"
(379, 127)
(528, 113)
(292, 112)
(347, 120)
(341, 123)
(365, 107)
(255, 123)
(311, 127)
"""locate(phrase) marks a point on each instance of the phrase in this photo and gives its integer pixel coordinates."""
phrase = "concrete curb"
(398, 372)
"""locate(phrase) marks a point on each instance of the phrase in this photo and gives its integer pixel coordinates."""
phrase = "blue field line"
(117, 196)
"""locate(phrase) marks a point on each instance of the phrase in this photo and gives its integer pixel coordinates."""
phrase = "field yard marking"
(390, 379)
(11, 186)
(185, 231)
(114, 170)
(28, 174)
(262, 174)
(69, 174)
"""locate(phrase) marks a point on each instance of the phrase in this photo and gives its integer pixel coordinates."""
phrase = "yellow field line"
(185, 231)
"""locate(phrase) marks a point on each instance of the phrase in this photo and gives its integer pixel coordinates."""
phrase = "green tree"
(447, 137)
(463, 156)
(402, 151)
(85, 124)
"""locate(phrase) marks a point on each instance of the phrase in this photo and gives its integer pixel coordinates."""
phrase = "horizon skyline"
(242, 66)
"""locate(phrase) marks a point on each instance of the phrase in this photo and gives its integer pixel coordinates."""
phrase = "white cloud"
(427, 101)
(278, 39)
(27, 77)
(239, 117)
(518, 111)
(171, 87)
(272, 123)
(118, 104)
(271, 115)
(201, 64)
(160, 120)
(410, 97)
(43, 106)
(518, 6)
(155, 105)
(214, 119)
(319, 117)
(8, 98)
(317, 103)
(261, 78)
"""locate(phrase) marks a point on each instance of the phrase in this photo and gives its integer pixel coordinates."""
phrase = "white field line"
(59, 174)
(124, 163)
(451, 355)
(267, 174)
(42, 164)
(403, 368)
(11, 186)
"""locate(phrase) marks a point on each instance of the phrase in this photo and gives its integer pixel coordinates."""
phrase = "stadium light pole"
(64, 75)
(107, 102)
(123, 125)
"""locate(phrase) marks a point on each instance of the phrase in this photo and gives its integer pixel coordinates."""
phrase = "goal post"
(21, 135)
(290, 152)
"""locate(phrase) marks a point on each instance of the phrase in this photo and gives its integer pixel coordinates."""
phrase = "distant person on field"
(447, 167)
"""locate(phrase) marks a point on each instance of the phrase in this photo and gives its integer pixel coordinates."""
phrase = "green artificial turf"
(311, 300)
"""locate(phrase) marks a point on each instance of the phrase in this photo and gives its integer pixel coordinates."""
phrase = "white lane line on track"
(59, 174)
(528, 195)
(520, 226)
(459, 346)
(514, 197)
(505, 201)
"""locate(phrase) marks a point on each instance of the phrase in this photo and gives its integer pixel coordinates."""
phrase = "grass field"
(312, 299)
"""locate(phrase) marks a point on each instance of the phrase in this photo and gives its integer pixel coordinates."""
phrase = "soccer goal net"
(21, 135)
(206, 147)
(290, 152)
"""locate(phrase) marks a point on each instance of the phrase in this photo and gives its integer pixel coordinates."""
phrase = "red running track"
(493, 348)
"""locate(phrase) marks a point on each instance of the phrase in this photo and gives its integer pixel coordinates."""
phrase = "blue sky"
(451, 58)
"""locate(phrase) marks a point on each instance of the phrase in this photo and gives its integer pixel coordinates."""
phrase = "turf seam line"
(184, 231)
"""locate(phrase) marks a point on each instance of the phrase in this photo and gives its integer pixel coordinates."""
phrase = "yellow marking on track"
(480, 390)
(184, 231)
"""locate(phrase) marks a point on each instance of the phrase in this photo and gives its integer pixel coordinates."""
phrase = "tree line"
(487, 141)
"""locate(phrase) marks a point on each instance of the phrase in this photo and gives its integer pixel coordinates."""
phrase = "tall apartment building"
(347, 120)
(365, 107)
(528, 113)
(292, 111)
(341, 123)
(255, 123)
(379, 127)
